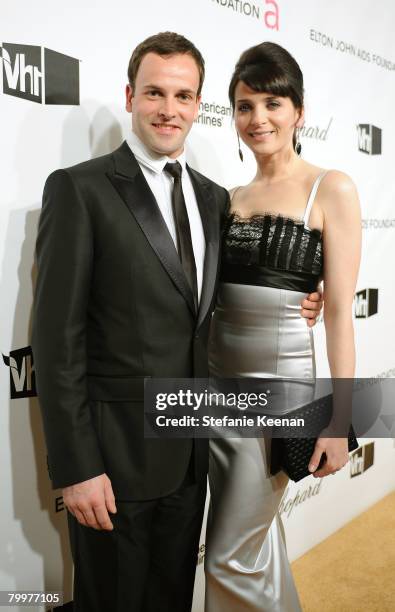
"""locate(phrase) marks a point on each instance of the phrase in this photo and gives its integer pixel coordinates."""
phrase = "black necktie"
(183, 230)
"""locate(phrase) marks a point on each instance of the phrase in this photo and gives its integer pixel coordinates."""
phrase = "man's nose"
(167, 108)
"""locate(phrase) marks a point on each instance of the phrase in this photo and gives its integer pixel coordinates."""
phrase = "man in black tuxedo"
(127, 255)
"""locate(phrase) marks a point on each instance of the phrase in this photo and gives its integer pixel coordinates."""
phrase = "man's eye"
(153, 92)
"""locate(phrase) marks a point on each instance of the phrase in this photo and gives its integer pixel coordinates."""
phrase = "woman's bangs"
(266, 79)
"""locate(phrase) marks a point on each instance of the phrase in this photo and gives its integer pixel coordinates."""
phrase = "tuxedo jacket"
(112, 306)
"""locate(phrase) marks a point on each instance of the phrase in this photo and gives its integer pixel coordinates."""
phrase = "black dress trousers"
(148, 562)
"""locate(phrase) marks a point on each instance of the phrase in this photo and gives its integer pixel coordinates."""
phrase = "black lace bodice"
(274, 243)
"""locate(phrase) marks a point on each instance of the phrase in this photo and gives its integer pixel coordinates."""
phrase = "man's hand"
(90, 502)
(312, 306)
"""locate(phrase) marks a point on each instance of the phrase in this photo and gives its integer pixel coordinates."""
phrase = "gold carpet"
(354, 569)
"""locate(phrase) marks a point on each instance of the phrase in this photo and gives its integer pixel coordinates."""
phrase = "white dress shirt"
(161, 185)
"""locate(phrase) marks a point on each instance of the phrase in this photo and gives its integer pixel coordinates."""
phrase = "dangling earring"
(240, 151)
(298, 146)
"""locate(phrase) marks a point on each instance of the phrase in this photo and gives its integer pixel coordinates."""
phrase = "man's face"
(164, 102)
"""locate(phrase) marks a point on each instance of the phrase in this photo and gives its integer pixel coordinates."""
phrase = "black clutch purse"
(293, 454)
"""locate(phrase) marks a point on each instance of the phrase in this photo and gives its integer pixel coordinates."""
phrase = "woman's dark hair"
(269, 68)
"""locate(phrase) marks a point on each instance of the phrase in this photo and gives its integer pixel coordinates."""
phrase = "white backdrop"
(347, 54)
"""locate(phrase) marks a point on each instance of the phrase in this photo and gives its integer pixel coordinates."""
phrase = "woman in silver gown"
(293, 225)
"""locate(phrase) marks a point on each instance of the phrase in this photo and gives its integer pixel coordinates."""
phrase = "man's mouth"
(165, 128)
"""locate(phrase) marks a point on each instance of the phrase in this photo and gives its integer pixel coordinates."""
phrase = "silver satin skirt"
(256, 332)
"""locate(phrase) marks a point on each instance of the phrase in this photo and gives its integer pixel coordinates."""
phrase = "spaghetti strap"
(312, 196)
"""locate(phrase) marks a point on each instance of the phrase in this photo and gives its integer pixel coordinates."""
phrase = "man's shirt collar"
(150, 159)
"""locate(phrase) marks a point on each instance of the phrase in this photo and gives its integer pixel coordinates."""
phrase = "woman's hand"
(336, 450)
(312, 306)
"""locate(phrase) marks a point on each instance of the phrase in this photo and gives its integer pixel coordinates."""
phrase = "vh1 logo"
(362, 459)
(366, 303)
(40, 75)
(369, 139)
(22, 375)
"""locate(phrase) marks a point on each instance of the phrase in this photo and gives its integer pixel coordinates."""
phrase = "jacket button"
(196, 336)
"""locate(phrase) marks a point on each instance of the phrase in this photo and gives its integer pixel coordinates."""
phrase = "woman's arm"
(342, 247)
(342, 252)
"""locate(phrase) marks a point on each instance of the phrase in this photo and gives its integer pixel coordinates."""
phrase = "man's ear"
(198, 100)
(129, 98)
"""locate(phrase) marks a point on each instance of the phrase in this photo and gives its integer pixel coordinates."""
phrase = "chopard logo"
(288, 505)
(315, 132)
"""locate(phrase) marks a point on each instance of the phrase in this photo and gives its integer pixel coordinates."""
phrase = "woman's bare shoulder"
(339, 200)
(336, 183)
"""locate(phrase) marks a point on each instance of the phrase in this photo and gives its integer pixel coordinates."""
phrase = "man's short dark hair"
(165, 44)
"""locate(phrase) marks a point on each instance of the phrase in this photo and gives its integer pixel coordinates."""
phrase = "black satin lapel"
(139, 199)
(210, 221)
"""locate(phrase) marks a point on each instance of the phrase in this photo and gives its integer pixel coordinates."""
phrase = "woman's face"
(265, 122)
